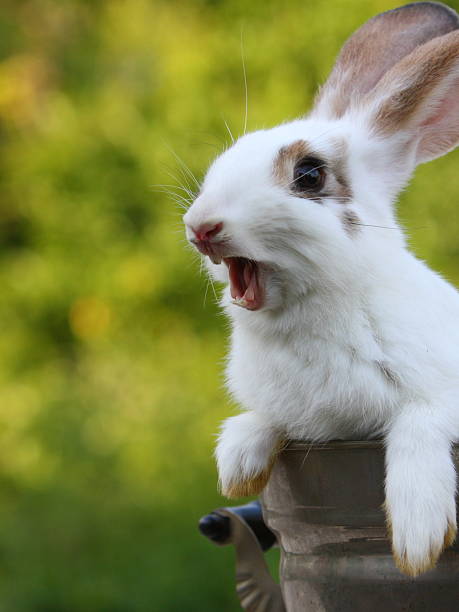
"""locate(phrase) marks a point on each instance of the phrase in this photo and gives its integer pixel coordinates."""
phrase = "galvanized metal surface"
(324, 503)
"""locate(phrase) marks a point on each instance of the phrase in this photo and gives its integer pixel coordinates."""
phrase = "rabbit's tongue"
(245, 286)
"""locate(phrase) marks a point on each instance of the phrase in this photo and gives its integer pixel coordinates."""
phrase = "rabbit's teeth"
(245, 286)
(240, 302)
(216, 259)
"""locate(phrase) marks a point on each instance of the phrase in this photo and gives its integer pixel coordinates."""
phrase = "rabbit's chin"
(246, 283)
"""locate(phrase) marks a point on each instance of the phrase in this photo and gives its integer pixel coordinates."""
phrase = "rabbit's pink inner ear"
(419, 97)
(440, 132)
(376, 47)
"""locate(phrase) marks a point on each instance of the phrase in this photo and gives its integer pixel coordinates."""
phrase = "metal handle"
(255, 587)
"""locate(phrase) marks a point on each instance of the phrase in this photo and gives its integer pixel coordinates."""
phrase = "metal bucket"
(324, 504)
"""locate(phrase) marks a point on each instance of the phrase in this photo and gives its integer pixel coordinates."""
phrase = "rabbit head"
(295, 207)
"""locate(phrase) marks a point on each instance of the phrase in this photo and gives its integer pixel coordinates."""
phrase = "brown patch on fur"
(450, 535)
(412, 80)
(376, 47)
(336, 184)
(256, 484)
(249, 487)
(351, 222)
(339, 165)
(430, 560)
(286, 159)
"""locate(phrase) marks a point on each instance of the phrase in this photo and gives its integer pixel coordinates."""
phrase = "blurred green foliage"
(111, 357)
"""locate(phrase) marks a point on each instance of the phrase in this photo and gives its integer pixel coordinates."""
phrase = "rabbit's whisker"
(213, 289)
(228, 129)
(311, 170)
(173, 194)
(206, 291)
(192, 194)
(185, 189)
(245, 84)
(185, 168)
(370, 225)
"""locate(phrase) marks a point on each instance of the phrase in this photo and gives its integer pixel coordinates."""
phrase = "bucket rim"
(309, 445)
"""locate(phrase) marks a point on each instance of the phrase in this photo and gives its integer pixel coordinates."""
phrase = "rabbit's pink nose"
(206, 231)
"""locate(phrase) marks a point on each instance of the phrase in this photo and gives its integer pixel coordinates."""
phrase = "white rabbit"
(338, 331)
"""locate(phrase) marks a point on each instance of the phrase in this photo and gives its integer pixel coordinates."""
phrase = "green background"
(111, 352)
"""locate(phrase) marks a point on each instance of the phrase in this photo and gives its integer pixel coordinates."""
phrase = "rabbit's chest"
(314, 387)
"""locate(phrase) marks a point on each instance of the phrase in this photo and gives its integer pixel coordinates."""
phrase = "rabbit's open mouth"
(245, 283)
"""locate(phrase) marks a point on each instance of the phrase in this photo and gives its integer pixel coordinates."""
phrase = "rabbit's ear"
(377, 46)
(418, 99)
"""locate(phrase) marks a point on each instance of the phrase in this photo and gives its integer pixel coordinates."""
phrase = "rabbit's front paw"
(420, 486)
(245, 454)
(419, 533)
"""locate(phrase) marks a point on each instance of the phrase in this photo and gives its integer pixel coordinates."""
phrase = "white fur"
(357, 337)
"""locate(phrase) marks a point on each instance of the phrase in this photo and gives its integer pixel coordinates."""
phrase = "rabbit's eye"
(308, 175)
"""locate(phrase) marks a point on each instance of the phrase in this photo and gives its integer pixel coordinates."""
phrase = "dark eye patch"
(300, 169)
(309, 175)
